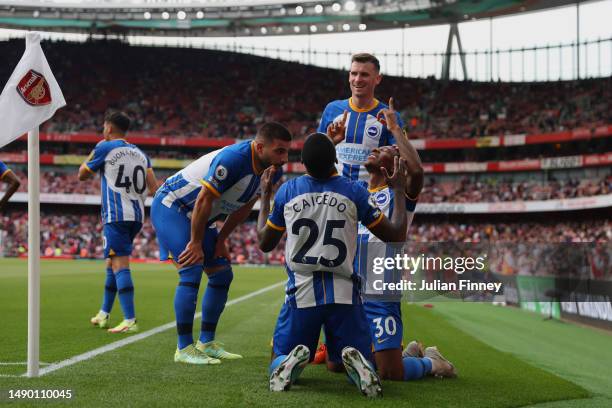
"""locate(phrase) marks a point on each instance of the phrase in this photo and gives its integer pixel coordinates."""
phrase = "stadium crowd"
(80, 236)
(461, 190)
(203, 93)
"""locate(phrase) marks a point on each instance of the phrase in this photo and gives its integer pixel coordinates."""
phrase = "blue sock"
(185, 303)
(275, 363)
(214, 302)
(110, 290)
(126, 292)
(416, 368)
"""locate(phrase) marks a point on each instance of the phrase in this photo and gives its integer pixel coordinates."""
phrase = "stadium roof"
(249, 17)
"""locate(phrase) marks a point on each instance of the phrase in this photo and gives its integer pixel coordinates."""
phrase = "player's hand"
(221, 250)
(267, 182)
(399, 179)
(337, 130)
(192, 255)
(388, 116)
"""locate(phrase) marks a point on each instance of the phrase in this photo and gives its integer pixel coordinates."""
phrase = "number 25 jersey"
(321, 218)
(123, 172)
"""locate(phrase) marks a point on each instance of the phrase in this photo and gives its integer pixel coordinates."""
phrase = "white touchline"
(17, 363)
(132, 339)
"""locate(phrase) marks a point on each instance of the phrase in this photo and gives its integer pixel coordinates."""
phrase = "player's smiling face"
(363, 79)
(382, 157)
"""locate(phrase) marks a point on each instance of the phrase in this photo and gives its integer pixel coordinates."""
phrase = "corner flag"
(30, 97)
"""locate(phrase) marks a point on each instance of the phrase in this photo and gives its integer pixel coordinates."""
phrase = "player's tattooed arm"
(337, 130)
(407, 151)
(233, 220)
(267, 236)
(193, 253)
(394, 230)
(13, 182)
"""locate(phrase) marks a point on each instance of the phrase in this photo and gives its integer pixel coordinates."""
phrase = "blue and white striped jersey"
(229, 173)
(368, 245)
(363, 133)
(321, 218)
(123, 171)
(3, 170)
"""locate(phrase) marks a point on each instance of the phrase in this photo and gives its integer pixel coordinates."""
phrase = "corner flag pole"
(30, 97)
(33, 253)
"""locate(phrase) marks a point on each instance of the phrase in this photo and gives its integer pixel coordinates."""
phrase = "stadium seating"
(203, 93)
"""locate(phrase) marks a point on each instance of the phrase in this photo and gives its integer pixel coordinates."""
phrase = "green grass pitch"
(505, 357)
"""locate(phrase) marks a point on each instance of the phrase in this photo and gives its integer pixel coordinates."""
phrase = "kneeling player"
(321, 211)
(384, 317)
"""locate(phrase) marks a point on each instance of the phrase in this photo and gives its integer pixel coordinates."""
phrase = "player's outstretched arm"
(394, 230)
(268, 236)
(193, 253)
(407, 151)
(13, 182)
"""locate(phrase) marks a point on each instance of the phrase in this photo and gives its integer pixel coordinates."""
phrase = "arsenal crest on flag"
(34, 89)
(31, 95)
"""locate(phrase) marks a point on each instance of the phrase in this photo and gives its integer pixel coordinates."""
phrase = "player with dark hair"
(356, 124)
(8, 177)
(223, 184)
(320, 212)
(126, 174)
(385, 317)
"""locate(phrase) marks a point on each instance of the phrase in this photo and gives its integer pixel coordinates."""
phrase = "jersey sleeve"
(223, 173)
(368, 212)
(95, 161)
(325, 119)
(3, 170)
(276, 219)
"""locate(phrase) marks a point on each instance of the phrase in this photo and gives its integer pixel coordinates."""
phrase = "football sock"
(416, 368)
(185, 303)
(214, 301)
(126, 292)
(110, 291)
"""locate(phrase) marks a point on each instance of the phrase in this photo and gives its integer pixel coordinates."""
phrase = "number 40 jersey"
(123, 171)
(321, 218)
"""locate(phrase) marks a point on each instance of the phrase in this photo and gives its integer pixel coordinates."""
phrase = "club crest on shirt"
(381, 198)
(373, 132)
(220, 172)
(34, 89)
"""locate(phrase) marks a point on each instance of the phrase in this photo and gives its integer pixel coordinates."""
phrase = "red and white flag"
(31, 95)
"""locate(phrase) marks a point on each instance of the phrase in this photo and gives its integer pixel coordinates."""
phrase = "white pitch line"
(10, 363)
(132, 339)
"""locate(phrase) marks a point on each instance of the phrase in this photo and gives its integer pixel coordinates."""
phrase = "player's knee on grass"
(335, 367)
(389, 364)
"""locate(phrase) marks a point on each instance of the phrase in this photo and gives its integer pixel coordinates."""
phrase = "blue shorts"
(344, 325)
(385, 320)
(173, 229)
(118, 237)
